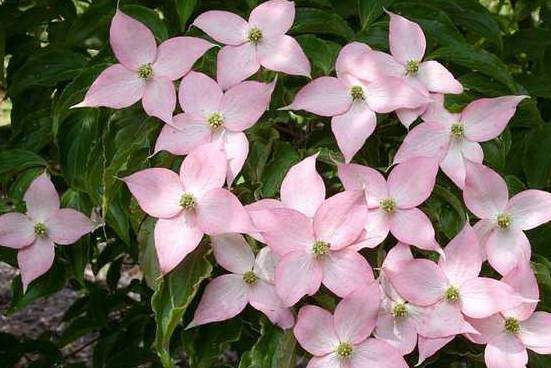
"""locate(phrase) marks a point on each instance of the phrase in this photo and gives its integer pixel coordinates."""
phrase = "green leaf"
(310, 20)
(148, 256)
(173, 296)
(283, 157)
(537, 160)
(370, 10)
(17, 160)
(184, 8)
(322, 53)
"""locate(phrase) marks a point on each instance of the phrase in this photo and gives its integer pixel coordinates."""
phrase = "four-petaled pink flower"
(259, 42)
(188, 205)
(342, 340)
(352, 102)
(393, 203)
(145, 72)
(211, 115)
(251, 281)
(33, 234)
(503, 220)
(454, 138)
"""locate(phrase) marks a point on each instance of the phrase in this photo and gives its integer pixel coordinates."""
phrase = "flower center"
(412, 67)
(320, 248)
(215, 120)
(40, 230)
(399, 310)
(504, 220)
(512, 326)
(452, 294)
(457, 130)
(255, 35)
(344, 350)
(187, 201)
(357, 93)
(250, 278)
(388, 205)
(145, 71)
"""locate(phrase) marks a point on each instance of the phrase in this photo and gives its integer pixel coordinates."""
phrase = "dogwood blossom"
(503, 220)
(260, 41)
(145, 71)
(34, 234)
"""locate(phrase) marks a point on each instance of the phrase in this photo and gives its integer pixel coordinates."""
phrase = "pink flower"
(352, 102)
(393, 203)
(342, 340)
(454, 138)
(145, 72)
(503, 220)
(259, 42)
(251, 281)
(212, 115)
(508, 334)
(33, 234)
(316, 251)
(190, 205)
(452, 288)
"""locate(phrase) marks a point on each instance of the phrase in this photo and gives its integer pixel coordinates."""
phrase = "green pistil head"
(399, 310)
(255, 35)
(412, 67)
(40, 230)
(504, 220)
(249, 277)
(216, 120)
(357, 93)
(452, 294)
(457, 130)
(320, 248)
(187, 201)
(512, 326)
(388, 205)
(344, 350)
(145, 71)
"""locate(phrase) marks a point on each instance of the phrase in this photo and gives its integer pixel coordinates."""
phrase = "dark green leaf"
(309, 20)
(370, 10)
(537, 157)
(16, 160)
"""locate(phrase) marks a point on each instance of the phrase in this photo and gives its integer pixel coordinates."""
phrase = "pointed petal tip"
(78, 105)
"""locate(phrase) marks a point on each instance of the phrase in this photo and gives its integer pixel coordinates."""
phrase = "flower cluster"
(312, 240)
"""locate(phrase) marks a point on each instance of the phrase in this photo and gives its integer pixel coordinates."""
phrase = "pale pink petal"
(483, 229)
(505, 351)
(530, 208)
(327, 361)
(16, 230)
(388, 94)
(35, 260)
(463, 261)
(131, 41)
(175, 238)
(408, 116)
(325, 96)
(377, 227)
(396, 256)
(358, 177)
(243, 104)
(259, 212)
(116, 87)
(436, 112)
(523, 280)
(159, 98)
(410, 183)
(219, 211)
(224, 298)
(157, 191)
(186, 133)
(486, 118)
(235, 64)
(265, 264)
(420, 282)
(413, 227)
(41, 198)
(286, 230)
(375, 353)
(425, 140)
(350, 59)
(400, 333)
(283, 54)
(442, 319)
(352, 128)
(67, 225)
(453, 163)
(437, 78)
(481, 297)
(488, 328)
(176, 56)
(429, 347)
(204, 169)
(199, 95)
(274, 17)
(345, 271)
(406, 39)
(263, 297)
(236, 147)
(506, 249)
(356, 314)
(297, 274)
(485, 193)
(535, 332)
(225, 27)
(315, 330)
(232, 252)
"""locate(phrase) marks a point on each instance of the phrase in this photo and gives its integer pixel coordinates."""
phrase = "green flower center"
(457, 130)
(187, 201)
(388, 205)
(320, 248)
(412, 67)
(250, 278)
(40, 230)
(512, 326)
(504, 220)
(344, 350)
(145, 71)
(215, 120)
(357, 93)
(399, 310)
(255, 35)
(452, 294)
